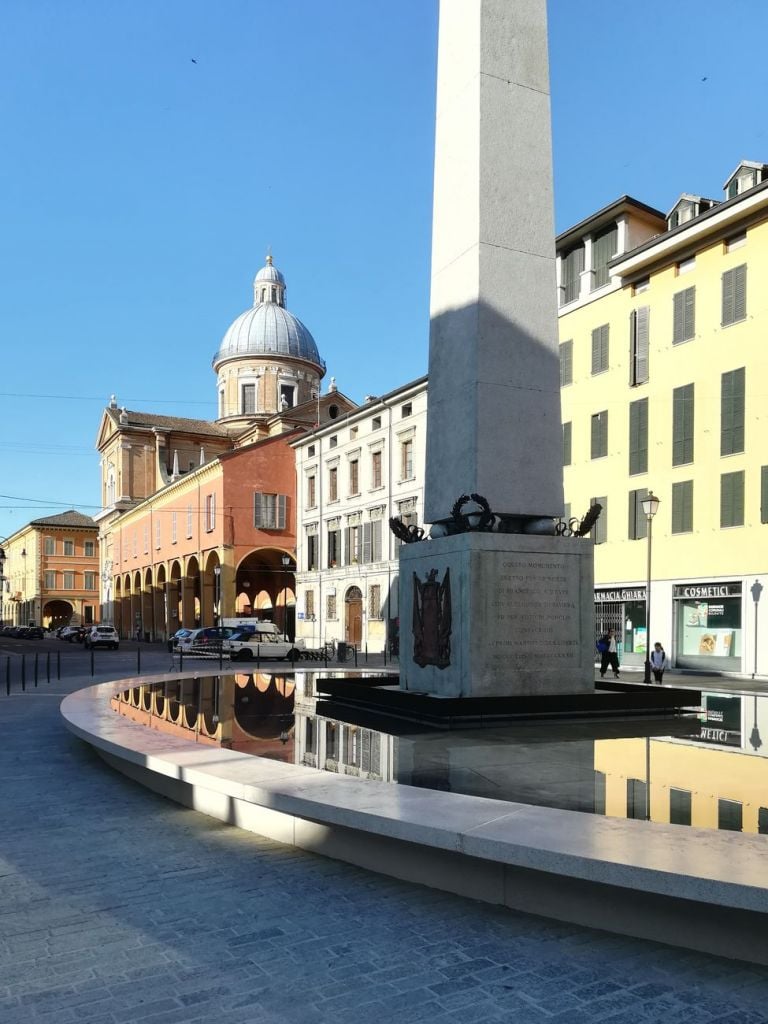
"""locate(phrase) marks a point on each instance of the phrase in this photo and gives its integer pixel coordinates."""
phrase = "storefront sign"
(723, 737)
(706, 590)
(621, 594)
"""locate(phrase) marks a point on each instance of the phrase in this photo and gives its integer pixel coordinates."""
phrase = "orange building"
(199, 517)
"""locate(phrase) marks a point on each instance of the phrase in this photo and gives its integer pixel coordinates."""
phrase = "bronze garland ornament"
(407, 534)
(466, 522)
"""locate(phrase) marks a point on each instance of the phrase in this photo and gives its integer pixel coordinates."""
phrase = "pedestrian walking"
(609, 654)
(658, 661)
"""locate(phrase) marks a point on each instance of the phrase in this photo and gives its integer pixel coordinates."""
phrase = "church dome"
(268, 329)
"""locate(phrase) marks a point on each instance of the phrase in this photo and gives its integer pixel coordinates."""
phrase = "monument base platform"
(497, 615)
(382, 697)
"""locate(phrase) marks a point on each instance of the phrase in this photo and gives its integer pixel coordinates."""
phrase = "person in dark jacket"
(609, 654)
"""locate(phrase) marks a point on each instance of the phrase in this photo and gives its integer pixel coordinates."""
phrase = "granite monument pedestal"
(493, 614)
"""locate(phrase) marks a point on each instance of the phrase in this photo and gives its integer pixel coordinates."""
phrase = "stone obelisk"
(507, 610)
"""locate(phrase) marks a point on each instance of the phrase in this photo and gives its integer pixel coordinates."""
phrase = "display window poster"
(711, 628)
(640, 640)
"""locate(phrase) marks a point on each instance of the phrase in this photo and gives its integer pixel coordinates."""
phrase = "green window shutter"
(764, 494)
(573, 265)
(690, 314)
(682, 507)
(566, 363)
(599, 439)
(639, 321)
(732, 412)
(603, 250)
(740, 292)
(257, 509)
(600, 349)
(682, 425)
(732, 499)
(567, 443)
(638, 437)
(600, 529)
(683, 315)
(727, 317)
(638, 524)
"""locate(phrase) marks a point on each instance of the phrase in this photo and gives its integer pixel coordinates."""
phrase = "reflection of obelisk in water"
(494, 385)
(521, 600)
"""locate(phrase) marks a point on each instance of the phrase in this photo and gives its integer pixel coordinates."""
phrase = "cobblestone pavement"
(117, 906)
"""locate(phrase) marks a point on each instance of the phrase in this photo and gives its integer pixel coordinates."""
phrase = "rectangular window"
(353, 545)
(146, 538)
(641, 286)
(90, 549)
(638, 437)
(764, 494)
(600, 529)
(567, 443)
(599, 438)
(311, 551)
(638, 523)
(189, 520)
(69, 547)
(639, 320)
(682, 507)
(69, 581)
(135, 543)
(309, 604)
(353, 433)
(406, 410)
(376, 423)
(174, 520)
(729, 815)
(310, 451)
(376, 469)
(157, 533)
(374, 601)
(682, 425)
(334, 548)
(210, 513)
(333, 484)
(566, 363)
(354, 477)
(679, 807)
(732, 412)
(270, 511)
(50, 546)
(600, 337)
(50, 581)
(736, 241)
(732, 499)
(685, 266)
(330, 606)
(637, 799)
(572, 267)
(683, 315)
(734, 295)
(603, 250)
(311, 491)
(333, 441)
(90, 580)
(248, 399)
(406, 460)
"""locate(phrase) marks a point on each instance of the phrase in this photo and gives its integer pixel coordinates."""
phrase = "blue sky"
(153, 151)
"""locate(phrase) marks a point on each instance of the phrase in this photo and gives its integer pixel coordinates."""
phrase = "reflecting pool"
(706, 768)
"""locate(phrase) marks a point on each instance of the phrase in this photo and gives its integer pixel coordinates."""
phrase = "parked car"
(70, 633)
(207, 640)
(264, 643)
(34, 633)
(102, 636)
(180, 634)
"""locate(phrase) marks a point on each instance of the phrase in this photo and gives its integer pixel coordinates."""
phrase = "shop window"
(732, 412)
(682, 507)
(732, 499)
(638, 437)
(567, 445)
(730, 815)
(708, 628)
(637, 799)
(638, 345)
(600, 339)
(679, 807)
(566, 363)
(599, 435)
(683, 316)
(682, 425)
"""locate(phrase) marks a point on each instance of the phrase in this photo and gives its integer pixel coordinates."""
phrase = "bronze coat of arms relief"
(432, 620)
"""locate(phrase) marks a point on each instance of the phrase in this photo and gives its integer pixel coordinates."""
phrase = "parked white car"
(102, 636)
(266, 642)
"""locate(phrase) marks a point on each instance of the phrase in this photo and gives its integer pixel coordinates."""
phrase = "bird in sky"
(193, 60)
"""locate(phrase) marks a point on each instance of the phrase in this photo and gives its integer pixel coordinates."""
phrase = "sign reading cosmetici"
(707, 590)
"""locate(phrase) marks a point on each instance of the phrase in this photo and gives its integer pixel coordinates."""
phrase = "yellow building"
(664, 373)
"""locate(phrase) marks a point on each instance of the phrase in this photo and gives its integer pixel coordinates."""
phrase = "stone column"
(494, 385)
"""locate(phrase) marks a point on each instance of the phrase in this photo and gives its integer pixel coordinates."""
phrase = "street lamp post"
(216, 594)
(650, 508)
(286, 560)
(756, 590)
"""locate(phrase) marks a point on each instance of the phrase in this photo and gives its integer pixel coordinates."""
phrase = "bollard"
(366, 654)
(92, 662)
(23, 672)
(8, 675)
(58, 664)
(325, 655)
(258, 657)
(36, 654)
(48, 667)
(181, 660)
(293, 659)
(385, 654)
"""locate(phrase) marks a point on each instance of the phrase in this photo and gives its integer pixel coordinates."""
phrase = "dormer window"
(687, 208)
(604, 249)
(746, 176)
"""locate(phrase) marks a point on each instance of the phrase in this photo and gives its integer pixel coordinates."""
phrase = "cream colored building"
(664, 371)
(353, 475)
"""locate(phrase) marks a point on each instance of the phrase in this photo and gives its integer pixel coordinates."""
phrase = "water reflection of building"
(715, 779)
(342, 747)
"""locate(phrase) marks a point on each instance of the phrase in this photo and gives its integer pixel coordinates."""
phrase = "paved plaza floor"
(117, 906)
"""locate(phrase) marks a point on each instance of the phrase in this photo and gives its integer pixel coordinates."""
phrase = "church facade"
(198, 517)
